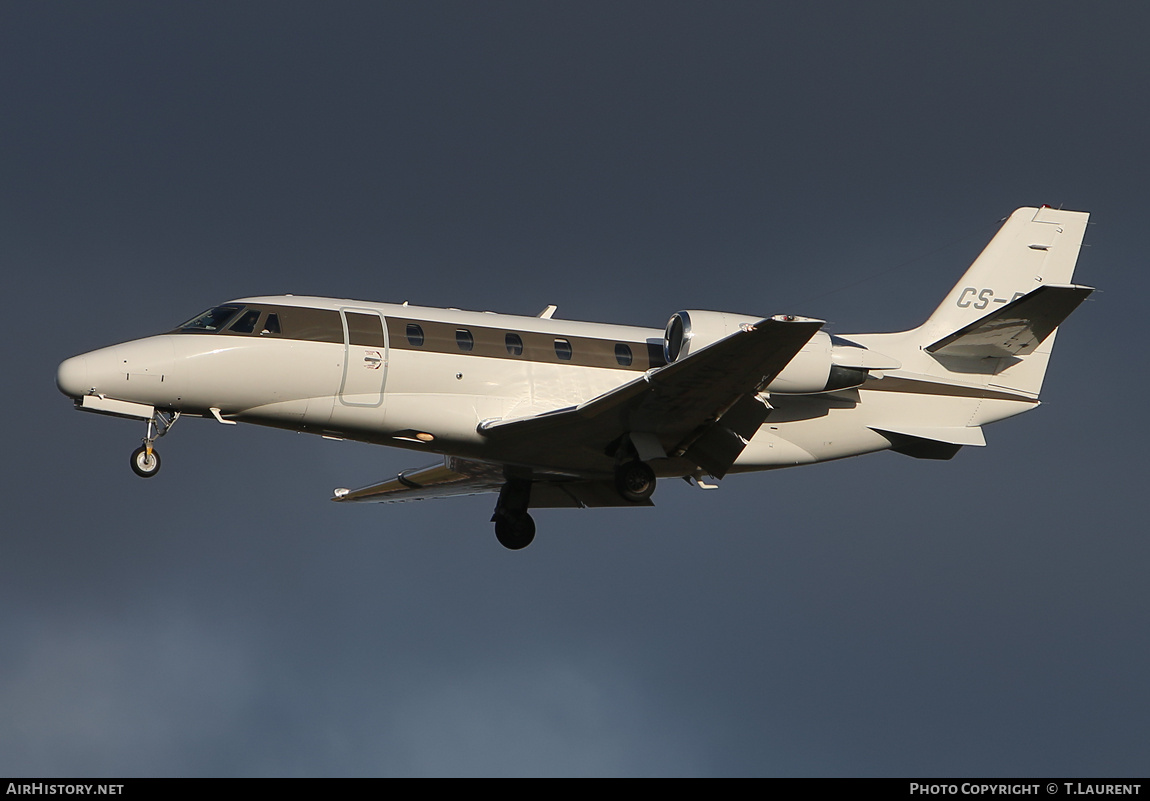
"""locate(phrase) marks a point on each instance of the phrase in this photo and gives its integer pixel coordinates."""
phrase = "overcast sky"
(877, 616)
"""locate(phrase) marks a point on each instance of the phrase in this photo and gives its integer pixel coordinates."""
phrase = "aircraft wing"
(454, 477)
(703, 407)
(447, 479)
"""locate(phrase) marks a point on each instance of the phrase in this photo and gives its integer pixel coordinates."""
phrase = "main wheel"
(635, 481)
(515, 533)
(143, 465)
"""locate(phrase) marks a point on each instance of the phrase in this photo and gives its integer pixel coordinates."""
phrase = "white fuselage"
(426, 379)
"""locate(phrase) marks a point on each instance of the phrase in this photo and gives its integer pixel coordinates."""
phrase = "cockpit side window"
(211, 320)
(271, 324)
(246, 324)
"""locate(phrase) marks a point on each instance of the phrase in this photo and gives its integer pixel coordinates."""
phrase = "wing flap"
(578, 495)
(719, 445)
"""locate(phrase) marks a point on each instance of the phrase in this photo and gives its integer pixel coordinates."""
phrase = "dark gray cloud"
(879, 616)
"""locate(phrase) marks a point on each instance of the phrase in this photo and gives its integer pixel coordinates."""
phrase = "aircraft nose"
(72, 376)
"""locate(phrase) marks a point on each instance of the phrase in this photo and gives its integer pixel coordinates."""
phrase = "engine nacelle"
(689, 331)
(814, 369)
(825, 363)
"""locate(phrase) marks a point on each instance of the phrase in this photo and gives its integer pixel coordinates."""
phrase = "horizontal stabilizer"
(1017, 328)
(925, 442)
(952, 435)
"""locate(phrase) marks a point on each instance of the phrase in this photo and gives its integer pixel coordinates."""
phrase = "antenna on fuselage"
(546, 313)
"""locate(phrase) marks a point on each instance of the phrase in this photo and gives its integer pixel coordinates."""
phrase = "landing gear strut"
(145, 460)
(514, 528)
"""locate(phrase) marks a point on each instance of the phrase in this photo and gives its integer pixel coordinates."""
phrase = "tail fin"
(1034, 247)
(1000, 319)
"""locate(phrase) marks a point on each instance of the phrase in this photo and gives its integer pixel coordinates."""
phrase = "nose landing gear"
(145, 459)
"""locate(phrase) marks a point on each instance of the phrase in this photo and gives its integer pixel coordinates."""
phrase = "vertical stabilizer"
(996, 326)
(1034, 247)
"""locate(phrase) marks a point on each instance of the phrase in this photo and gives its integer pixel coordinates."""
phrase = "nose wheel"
(145, 459)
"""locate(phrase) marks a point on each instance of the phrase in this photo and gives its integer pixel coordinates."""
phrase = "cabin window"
(271, 324)
(212, 319)
(313, 325)
(414, 335)
(514, 344)
(623, 355)
(246, 324)
(364, 329)
(563, 349)
(464, 339)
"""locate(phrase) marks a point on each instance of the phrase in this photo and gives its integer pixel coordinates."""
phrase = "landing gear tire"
(515, 532)
(143, 465)
(635, 481)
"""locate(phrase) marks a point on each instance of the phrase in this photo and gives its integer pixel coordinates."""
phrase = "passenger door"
(365, 357)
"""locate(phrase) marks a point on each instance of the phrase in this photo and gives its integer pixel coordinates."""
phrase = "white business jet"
(554, 413)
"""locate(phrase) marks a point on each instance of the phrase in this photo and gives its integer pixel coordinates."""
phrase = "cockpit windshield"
(273, 321)
(211, 320)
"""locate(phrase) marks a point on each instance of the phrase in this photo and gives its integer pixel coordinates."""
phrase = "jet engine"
(825, 364)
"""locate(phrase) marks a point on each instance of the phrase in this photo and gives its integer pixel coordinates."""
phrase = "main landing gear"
(145, 459)
(515, 532)
(514, 528)
(635, 481)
